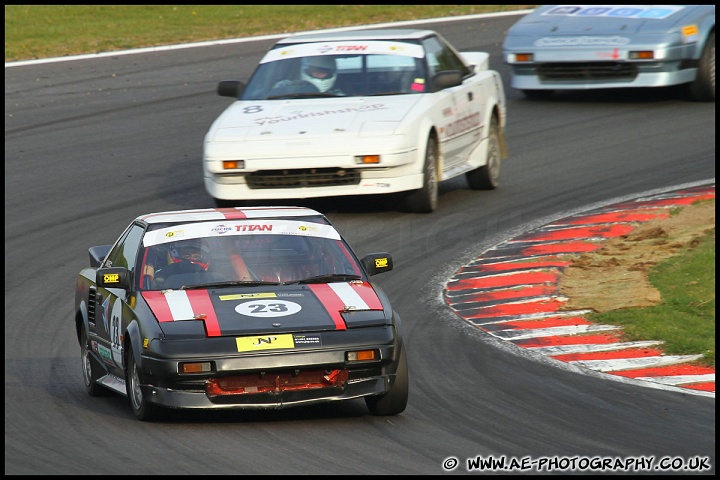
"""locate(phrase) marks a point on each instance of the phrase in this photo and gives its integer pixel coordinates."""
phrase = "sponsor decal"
(307, 340)
(253, 228)
(351, 48)
(174, 233)
(618, 11)
(307, 228)
(268, 342)
(463, 124)
(381, 263)
(268, 308)
(243, 296)
(301, 115)
(614, 41)
(105, 353)
(111, 278)
(220, 229)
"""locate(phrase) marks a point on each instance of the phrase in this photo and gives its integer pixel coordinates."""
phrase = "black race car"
(238, 308)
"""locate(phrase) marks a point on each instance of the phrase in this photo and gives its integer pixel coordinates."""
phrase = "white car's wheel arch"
(425, 130)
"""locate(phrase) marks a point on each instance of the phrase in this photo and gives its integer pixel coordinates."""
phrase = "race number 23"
(268, 308)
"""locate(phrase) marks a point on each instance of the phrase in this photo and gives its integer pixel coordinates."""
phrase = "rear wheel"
(487, 177)
(703, 87)
(395, 400)
(425, 199)
(91, 370)
(141, 407)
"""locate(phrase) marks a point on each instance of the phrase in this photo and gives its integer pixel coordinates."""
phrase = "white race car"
(358, 113)
(580, 47)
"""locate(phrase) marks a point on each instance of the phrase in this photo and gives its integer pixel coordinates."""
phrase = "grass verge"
(685, 319)
(46, 31)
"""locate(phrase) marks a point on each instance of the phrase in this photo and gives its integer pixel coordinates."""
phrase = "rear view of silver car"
(580, 47)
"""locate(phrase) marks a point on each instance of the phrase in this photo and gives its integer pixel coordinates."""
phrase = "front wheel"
(487, 177)
(703, 87)
(141, 407)
(91, 371)
(425, 199)
(395, 400)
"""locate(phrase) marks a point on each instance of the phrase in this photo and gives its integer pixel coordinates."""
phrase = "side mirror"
(230, 88)
(447, 79)
(112, 277)
(375, 263)
(98, 254)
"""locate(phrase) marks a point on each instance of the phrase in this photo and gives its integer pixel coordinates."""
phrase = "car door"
(456, 108)
(112, 304)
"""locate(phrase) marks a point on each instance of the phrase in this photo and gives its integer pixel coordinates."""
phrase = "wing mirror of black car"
(98, 254)
(447, 79)
(230, 88)
(112, 277)
(375, 263)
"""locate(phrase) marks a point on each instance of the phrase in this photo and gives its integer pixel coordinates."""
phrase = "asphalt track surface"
(92, 143)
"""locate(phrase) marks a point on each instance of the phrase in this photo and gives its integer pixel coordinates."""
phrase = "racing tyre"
(141, 407)
(395, 400)
(703, 87)
(91, 370)
(425, 199)
(487, 177)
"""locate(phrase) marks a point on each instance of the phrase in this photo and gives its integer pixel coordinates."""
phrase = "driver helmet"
(192, 251)
(320, 71)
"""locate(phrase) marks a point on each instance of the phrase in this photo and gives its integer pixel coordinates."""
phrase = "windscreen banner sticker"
(239, 227)
(617, 11)
(268, 308)
(264, 342)
(344, 48)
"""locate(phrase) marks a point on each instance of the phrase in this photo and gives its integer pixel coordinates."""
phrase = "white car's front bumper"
(319, 177)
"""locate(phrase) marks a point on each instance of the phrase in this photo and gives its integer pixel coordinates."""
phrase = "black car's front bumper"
(273, 379)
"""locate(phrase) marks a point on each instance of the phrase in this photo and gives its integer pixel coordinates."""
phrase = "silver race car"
(576, 47)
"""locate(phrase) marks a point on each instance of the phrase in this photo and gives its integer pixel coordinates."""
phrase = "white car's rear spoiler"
(479, 60)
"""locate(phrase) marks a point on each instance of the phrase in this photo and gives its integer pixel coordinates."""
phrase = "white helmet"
(320, 71)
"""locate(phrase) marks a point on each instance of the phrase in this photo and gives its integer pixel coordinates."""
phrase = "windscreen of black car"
(245, 258)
